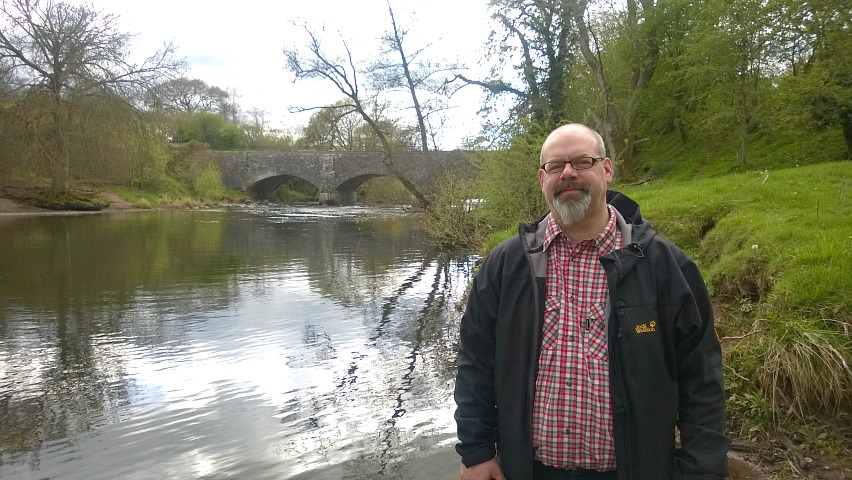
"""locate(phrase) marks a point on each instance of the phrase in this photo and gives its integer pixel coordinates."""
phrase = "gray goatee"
(572, 210)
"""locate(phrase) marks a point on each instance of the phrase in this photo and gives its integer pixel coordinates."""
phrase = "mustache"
(581, 186)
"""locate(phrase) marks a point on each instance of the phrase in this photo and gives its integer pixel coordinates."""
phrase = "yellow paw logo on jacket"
(647, 327)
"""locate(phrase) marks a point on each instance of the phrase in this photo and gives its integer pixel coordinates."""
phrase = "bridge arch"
(266, 186)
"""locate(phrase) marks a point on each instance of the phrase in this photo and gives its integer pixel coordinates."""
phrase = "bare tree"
(405, 70)
(62, 53)
(342, 73)
(255, 128)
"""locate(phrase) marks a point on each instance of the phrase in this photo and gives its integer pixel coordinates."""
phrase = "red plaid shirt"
(572, 416)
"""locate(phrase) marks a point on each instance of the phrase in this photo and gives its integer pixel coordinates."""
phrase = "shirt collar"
(604, 241)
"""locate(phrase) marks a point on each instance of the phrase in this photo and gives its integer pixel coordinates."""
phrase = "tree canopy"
(57, 59)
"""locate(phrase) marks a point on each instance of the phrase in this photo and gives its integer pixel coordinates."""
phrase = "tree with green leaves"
(333, 128)
(815, 44)
(59, 55)
(186, 95)
(209, 128)
(537, 40)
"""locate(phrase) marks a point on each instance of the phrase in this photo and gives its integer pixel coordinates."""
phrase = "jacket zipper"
(619, 384)
(535, 352)
(618, 366)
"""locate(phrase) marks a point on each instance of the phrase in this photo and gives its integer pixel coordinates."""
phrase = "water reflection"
(229, 344)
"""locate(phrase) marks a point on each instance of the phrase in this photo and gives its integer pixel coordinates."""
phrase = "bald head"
(572, 129)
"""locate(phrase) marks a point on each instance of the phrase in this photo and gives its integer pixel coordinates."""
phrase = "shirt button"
(570, 338)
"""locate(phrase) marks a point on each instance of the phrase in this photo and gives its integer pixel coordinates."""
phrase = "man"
(587, 341)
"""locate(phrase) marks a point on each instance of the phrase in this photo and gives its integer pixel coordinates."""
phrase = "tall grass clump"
(806, 364)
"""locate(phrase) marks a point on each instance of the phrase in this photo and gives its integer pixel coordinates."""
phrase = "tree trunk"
(744, 121)
(387, 153)
(421, 122)
(60, 163)
(578, 10)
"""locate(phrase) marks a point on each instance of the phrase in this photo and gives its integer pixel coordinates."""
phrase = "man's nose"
(568, 171)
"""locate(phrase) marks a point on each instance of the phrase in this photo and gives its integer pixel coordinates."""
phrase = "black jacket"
(665, 359)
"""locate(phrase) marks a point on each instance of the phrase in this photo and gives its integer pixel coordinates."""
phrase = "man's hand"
(489, 470)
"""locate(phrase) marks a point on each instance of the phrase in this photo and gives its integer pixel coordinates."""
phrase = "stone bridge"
(336, 174)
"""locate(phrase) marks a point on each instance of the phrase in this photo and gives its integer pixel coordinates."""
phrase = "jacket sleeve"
(476, 412)
(704, 446)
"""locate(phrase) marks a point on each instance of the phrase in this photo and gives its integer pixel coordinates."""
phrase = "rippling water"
(232, 344)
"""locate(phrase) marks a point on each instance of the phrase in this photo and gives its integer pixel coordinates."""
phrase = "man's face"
(571, 194)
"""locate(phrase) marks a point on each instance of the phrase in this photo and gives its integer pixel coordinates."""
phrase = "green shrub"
(73, 200)
(452, 220)
(207, 184)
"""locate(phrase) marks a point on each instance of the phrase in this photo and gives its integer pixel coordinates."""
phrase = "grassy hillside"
(785, 146)
(775, 248)
(781, 238)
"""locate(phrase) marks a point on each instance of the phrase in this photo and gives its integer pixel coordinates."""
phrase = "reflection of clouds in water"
(387, 397)
(320, 348)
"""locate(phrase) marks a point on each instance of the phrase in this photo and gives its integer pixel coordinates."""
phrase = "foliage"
(452, 218)
(721, 81)
(207, 184)
(508, 183)
(296, 190)
(71, 200)
(387, 190)
(532, 58)
(61, 55)
(332, 128)
(186, 95)
(208, 128)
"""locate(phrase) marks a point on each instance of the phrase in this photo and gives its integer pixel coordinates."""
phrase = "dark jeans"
(543, 472)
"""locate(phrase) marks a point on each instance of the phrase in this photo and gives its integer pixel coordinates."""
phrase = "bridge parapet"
(336, 174)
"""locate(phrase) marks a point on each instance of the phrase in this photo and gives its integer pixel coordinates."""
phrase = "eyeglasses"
(581, 163)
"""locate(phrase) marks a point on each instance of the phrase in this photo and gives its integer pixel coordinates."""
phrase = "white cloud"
(239, 45)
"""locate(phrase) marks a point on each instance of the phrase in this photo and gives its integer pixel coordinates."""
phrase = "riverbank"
(14, 201)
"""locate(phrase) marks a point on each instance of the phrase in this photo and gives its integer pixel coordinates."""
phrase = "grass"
(76, 200)
(782, 238)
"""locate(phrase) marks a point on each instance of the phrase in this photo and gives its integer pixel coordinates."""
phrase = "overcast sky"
(238, 45)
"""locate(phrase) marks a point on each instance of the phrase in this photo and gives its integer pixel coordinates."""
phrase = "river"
(269, 343)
